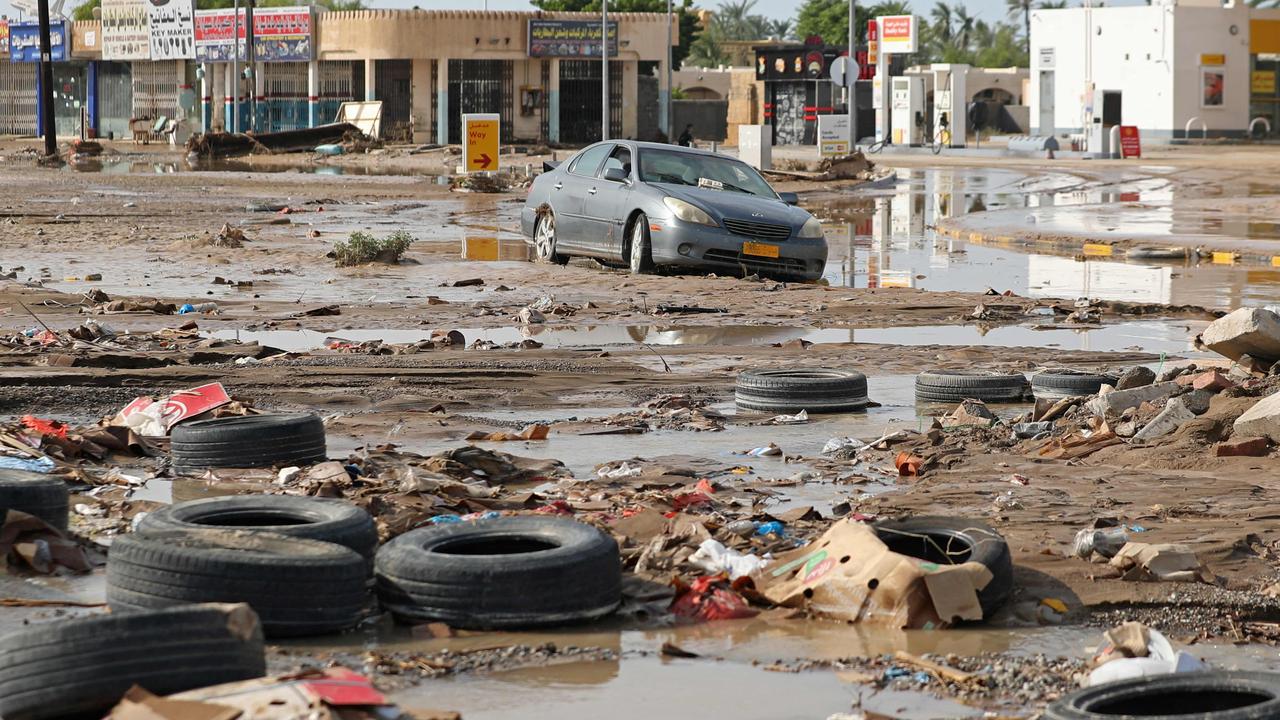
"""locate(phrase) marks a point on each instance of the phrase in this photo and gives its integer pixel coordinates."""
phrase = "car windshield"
(698, 170)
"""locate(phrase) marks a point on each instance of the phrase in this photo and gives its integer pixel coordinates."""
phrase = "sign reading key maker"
(569, 38)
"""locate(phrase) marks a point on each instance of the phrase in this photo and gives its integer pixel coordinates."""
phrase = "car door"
(605, 210)
(569, 194)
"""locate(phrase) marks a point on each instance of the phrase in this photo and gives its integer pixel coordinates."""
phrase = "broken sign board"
(482, 133)
(365, 115)
(849, 574)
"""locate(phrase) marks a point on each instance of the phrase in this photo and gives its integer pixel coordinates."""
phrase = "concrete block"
(1247, 331)
(1136, 377)
(1121, 400)
(1261, 420)
(1197, 401)
(1169, 420)
(1243, 447)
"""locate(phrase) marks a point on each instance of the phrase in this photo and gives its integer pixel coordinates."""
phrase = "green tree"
(1021, 8)
(733, 21)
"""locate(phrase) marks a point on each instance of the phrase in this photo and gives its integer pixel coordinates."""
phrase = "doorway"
(1110, 108)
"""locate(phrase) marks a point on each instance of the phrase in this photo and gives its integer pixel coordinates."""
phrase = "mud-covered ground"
(146, 227)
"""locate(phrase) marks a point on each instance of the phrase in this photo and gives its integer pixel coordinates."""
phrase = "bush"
(361, 248)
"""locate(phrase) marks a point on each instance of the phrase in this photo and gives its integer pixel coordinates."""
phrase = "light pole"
(46, 82)
(250, 68)
(235, 69)
(604, 69)
(670, 108)
(851, 83)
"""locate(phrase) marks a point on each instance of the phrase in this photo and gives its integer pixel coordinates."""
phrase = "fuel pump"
(907, 110)
(950, 126)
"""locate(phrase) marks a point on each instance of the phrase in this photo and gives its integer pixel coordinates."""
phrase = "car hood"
(726, 203)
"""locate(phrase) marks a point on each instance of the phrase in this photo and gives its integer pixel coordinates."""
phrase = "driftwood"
(285, 141)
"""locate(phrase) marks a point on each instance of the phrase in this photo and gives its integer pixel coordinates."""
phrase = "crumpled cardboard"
(849, 574)
(1166, 562)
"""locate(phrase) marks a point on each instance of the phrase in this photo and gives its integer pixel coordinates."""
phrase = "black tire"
(508, 572)
(640, 247)
(1216, 695)
(82, 666)
(951, 541)
(327, 519)
(1058, 384)
(297, 586)
(251, 441)
(544, 247)
(34, 494)
(953, 386)
(816, 390)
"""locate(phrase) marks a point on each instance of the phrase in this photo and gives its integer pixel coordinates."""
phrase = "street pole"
(670, 98)
(604, 69)
(46, 83)
(250, 66)
(851, 83)
(235, 70)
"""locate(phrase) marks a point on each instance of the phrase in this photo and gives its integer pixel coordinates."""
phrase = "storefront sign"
(279, 35)
(897, 34)
(1214, 59)
(125, 33)
(833, 135)
(873, 42)
(172, 26)
(569, 38)
(4, 38)
(24, 42)
(1047, 58)
(482, 132)
(1262, 82)
(1130, 142)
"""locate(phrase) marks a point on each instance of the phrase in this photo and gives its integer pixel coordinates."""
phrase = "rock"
(1247, 331)
(1213, 381)
(1197, 401)
(1121, 400)
(1169, 420)
(1263, 419)
(1174, 373)
(1253, 365)
(1136, 377)
(529, 316)
(1126, 429)
(1243, 447)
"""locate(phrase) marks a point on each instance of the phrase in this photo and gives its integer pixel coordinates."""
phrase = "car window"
(713, 171)
(620, 158)
(588, 160)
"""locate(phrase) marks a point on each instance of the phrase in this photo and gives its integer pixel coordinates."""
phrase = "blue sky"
(989, 10)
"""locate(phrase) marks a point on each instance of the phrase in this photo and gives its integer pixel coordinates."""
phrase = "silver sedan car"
(652, 205)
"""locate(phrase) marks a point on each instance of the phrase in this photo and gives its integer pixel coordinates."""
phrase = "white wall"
(1208, 31)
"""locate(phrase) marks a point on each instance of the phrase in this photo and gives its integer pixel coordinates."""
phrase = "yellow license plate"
(759, 249)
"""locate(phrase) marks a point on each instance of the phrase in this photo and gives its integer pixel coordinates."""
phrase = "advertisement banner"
(24, 42)
(897, 34)
(279, 35)
(4, 38)
(873, 42)
(125, 35)
(172, 24)
(569, 38)
(1130, 142)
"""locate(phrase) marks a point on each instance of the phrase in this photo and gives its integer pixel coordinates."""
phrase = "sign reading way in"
(482, 132)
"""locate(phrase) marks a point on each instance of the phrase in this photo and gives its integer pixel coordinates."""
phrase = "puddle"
(1151, 336)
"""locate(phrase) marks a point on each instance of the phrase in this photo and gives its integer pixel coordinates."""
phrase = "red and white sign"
(279, 34)
(179, 406)
(873, 42)
(1130, 143)
(898, 34)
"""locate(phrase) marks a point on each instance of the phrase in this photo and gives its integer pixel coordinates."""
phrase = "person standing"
(686, 137)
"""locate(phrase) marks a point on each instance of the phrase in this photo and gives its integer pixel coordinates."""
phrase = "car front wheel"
(544, 240)
(641, 247)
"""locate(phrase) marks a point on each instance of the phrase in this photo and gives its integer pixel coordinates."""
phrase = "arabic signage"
(24, 42)
(4, 38)
(279, 35)
(897, 34)
(125, 33)
(569, 38)
(172, 25)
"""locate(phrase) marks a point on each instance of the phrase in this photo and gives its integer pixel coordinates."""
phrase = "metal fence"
(580, 100)
(284, 87)
(115, 98)
(393, 85)
(340, 81)
(480, 86)
(17, 98)
(155, 88)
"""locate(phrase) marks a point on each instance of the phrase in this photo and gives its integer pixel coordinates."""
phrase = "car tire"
(544, 246)
(35, 494)
(82, 666)
(327, 519)
(1058, 384)
(295, 585)
(815, 390)
(640, 247)
(251, 441)
(950, 540)
(1214, 695)
(953, 386)
(509, 572)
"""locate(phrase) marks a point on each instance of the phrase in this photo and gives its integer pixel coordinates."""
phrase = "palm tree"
(963, 25)
(778, 28)
(1023, 8)
(891, 7)
(941, 14)
(1052, 4)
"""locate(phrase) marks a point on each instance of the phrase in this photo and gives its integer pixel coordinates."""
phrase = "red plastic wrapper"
(710, 597)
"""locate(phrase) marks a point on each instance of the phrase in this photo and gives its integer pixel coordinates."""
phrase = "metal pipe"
(604, 69)
(670, 98)
(47, 126)
(1204, 129)
(851, 84)
(235, 69)
(1265, 123)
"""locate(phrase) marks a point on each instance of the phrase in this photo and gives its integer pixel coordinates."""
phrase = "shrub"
(361, 248)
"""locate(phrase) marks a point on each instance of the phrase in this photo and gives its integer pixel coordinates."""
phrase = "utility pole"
(671, 114)
(604, 69)
(851, 83)
(250, 67)
(235, 69)
(46, 83)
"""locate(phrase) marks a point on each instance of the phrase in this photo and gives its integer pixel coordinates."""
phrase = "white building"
(1154, 66)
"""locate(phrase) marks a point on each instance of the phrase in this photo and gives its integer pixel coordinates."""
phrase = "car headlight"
(688, 212)
(812, 229)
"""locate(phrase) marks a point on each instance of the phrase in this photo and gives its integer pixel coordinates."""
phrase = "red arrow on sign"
(484, 160)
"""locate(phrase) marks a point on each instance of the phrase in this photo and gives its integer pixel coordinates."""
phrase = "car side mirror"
(789, 198)
(615, 175)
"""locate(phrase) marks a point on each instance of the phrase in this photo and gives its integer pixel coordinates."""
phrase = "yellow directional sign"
(480, 146)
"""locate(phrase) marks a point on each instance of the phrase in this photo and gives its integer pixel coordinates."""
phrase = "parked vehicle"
(651, 205)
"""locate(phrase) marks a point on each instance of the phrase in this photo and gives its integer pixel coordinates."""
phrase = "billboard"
(24, 41)
(279, 35)
(4, 38)
(172, 25)
(897, 33)
(125, 33)
(569, 38)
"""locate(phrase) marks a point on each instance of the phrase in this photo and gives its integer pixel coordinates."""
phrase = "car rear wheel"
(641, 247)
(544, 240)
